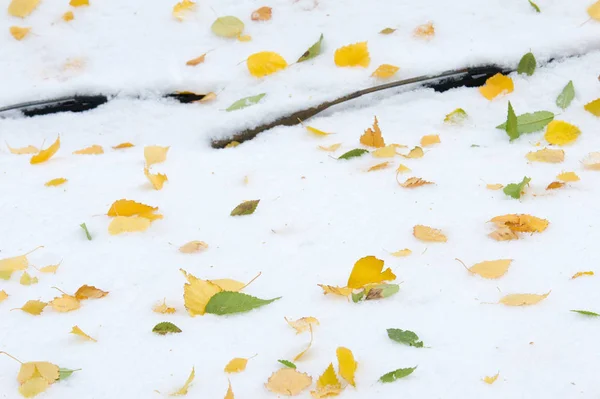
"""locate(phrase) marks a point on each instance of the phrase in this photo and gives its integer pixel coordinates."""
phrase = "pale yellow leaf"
(330, 289)
(163, 308)
(327, 384)
(33, 387)
(91, 150)
(180, 9)
(46, 154)
(227, 284)
(157, 180)
(193, 247)
(425, 31)
(561, 133)
(208, 97)
(288, 381)
(65, 303)
(522, 299)
(425, 233)
(416, 152)
(123, 145)
(68, 16)
(580, 274)
(236, 365)
(26, 279)
(491, 268)
(521, 223)
(594, 11)
(3, 295)
(55, 182)
(401, 253)
(265, 63)
(389, 151)
(79, 332)
(430, 139)
(34, 307)
(414, 182)
(347, 364)
(197, 293)
(23, 150)
(155, 154)
(592, 161)
(402, 169)
(503, 234)
(50, 268)
(568, 177)
(385, 71)
(301, 354)
(184, 389)
(302, 324)
(379, 166)
(546, 155)
(330, 148)
(356, 54)
(372, 136)
(22, 8)
(497, 85)
(243, 38)
(44, 370)
(317, 132)
(494, 186)
(196, 61)
(491, 380)
(128, 224)
(89, 292)
(19, 32)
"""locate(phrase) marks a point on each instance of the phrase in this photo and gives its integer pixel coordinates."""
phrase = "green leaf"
(287, 363)
(515, 189)
(511, 123)
(404, 337)
(357, 152)
(228, 26)
(456, 117)
(527, 64)
(531, 122)
(245, 102)
(535, 6)
(166, 327)
(312, 51)
(65, 373)
(397, 374)
(382, 291)
(87, 233)
(359, 296)
(586, 312)
(234, 302)
(566, 95)
(245, 208)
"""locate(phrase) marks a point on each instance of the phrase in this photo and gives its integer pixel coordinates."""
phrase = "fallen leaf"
(592, 161)
(236, 365)
(19, 32)
(65, 303)
(428, 234)
(522, 299)
(182, 8)
(594, 11)
(243, 103)
(456, 117)
(356, 54)
(416, 152)
(405, 337)
(155, 154)
(197, 293)
(527, 64)
(516, 190)
(372, 136)
(554, 185)
(3, 295)
(379, 166)
(128, 224)
(68, 16)
(26, 279)
(157, 180)
(402, 252)
(288, 381)
(229, 394)
(196, 61)
(262, 14)
(491, 380)
(79, 332)
(92, 150)
(123, 145)
(379, 291)
(34, 307)
(125, 207)
(265, 63)
(55, 182)
(193, 247)
(165, 328)
(225, 302)
(503, 234)
(397, 374)
(23, 150)
(330, 148)
(33, 387)
(317, 131)
(425, 31)
(389, 151)
(330, 289)
(580, 274)
(163, 308)
(521, 223)
(491, 268)
(11, 265)
(79, 3)
(245, 208)
(357, 152)
(184, 389)
(287, 363)
(568, 177)
(312, 51)
(368, 270)
(494, 186)
(402, 169)
(22, 8)
(586, 313)
(414, 182)
(208, 97)
(531, 122)
(385, 71)
(387, 31)
(227, 284)
(535, 6)
(497, 85)
(46, 154)
(244, 38)
(302, 324)
(566, 96)
(593, 107)
(347, 364)
(561, 133)
(430, 140)
(228, 26)
(89, 292)
(546, 155)
(327, 384)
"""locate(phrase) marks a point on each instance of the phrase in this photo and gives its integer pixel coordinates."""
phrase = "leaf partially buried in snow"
(302, 324)
(155, 154)
(163, 308)
(428, 234)
(353, 55)
(369, 270)
(327, 384)
(23, 150)
(22, 8)
(515, 190)
(357, 152)
(402, 252)
(331, 289)
(379, 166)
(380, 291)
(92, 150)
(228, 26)
(561, 133)
(594, 11)
(193, 247)
(425, 31)
(245, 208)
(593, 107)
(491, 268)
(397, 374)
(592, 161)
(416, 152)
(387, 31)
(330, 148)
(316, 131)
(288, 381)
(456, 117)
(568, 176)
(265, 63)
(492, 379)
(236, 365)
(389, 151)
(301, 354)
(531, 122)
(522, 299)
(3, 295)
(46, 154)
(26, 279)
(312, 51)
(546, 155)
(157, 180)
(128, 224)
(347, 364)
(196, 61)
(18, 32)
(566, 96)
(225, 302)
(245, 102)
(405, 337)
(527, 64)
(79, 332)
(497, 85)
(586, 313)
(385, 71)
(372, 137)
(184, 389)
(124, 207)
(165, 328)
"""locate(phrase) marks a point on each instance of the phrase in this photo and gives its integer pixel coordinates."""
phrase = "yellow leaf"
(209, 97)
(561, 133)
(155, 154)
(227, 284)
(44, 370)
(233, 144)
(521, 223)
(78, 331)
(55, 182)
(402, 169)
(592, 161)
(416, 152)
(184, 389)
(157, 180)
(379, 166)
(385, 71)
(372, 136)
(24, 150)
(26, 279)
(33, 387)
(236, 365)
(197, 293)
(330, 148)
(79, 3)
(389, 151)
(522, 299)
(491, 380)
(402, 252)
(327, 384)
(330, 289)
(18, 32)
(503, 234)
(22, 8)
(456, 117)
(34, 307)
(92, 150)
(594, 11)
(414, 182)
(299, 355)
(265, 63)
(3, 295)
(68, 16)
(262, 14)
(494, 186)
(193, 247)
(347, 364)
(65, 303)
(128, 224)
(244, 38)
(124, 207)
(89, 292)
(425, 233)
(491, 268)
(50, 268)
(181, 8)
(554, 185)
(430, 139)
(163, 308)
(368, 270)
(576, 275)
(123, 145)
(196, 61)
(46, 154)
(229, 394)
(302, 324)
(288, 381)
(593, 107)
(496, 85)
(10, 265)
(317, 131)
(425, 31)
(568, 177)
(356, 54)
(387, 31)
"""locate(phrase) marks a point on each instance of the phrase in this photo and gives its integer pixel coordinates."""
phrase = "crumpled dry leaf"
(554, 185)
(155, 154)
(197, 293)
(521, 223)
(414, 182)
(327, 384)
(580, 274)
(265, 63)
(163, 308)
(288, 381)
(522, 299)
(546, 155)
(369, 270)
(157, 180)
(356, 54)
(302, 324)
(89, 292)
(428, 234)
(262, 14)
(46, 154)
(184, 389)
(182, 8)
(497, 85)
(379, 166)
(79, 332)
(430, 139)
(372, 136)
(92, 150)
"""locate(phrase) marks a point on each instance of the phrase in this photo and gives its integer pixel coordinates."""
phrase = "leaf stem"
(11, 356)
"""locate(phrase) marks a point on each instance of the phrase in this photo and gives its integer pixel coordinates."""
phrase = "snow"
(317, 215)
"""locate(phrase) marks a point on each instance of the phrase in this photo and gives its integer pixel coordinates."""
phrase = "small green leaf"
(227, 302)
(87, 233)
(166, 327)
(456, 117)
(404, 337)
(357, 152)
(397, 374)
(527, 64)
(382, 291)
(531, 122)
(245, 102)
(535, 6)
(245, 208)
(566, 95)
(359, 296)
(511, 123)
(228, 26)
(287, 363)
(515, 189)
(312, 51)
(65, 373)
(586, 312)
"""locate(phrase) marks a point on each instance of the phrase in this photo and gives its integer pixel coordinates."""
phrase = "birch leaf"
(385, 71)
(580, 274)
(287, 363)
(288, 381)
(46, 154)
(26, 279)
(389, 151)
(416, 152)
(492, 379)
(65, 303)
(68, 16)
(23, 150)
(34, 307)
(515, 190)
(92, 150)
(594, 11)
(79, 332)
(330, 148)
(568, 177)
(387, 31)
(18, 32)
(22, 8)
(163, 308)
(497, 85)
(327, 384)
(402, 252)
(330, 289)
(157, 180)
(193, 247)
(379, 166)
(3, 295)
(89, 292)
(512, 123)
(522, 299)
(592, 161)
(593, 107)
(265, 63)
(302, 324)
(531, 122)
(317, 132)
(312, 51)
(430, 139)
(236, 365)
(456, 117)
(561, 133)
(353, 55)
(123, 146)
(521, 223)
(546, 155)
(128, 224)
(229, 394)
(182, 8)
(196, 61)
(491, 268)
(405, 337)
(197, 293)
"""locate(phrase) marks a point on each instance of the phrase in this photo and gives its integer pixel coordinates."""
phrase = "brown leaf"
(262, 14)
(372, 137)
(554, 185)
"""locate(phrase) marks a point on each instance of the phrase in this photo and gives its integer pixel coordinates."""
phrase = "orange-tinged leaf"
(163, 308)
(155, 154)
(414, 182)
(430, 139)
(521, 223)
(65, 303)
(79, 3)
(68, 16)
(356, 54)
(193, 247)
(262, 14)
(491, 268)
(184, 389)
(368, 270)
(196, 61)
(123, 145)
(22, 8)
(401, 253)
(197, 293)
(330, 289)
(3, 295)
(568, 177)
(561, 133)
(46, 154)
(491, 380)
(580, 274)
(91, 150)
(288, 381)
(522, 299)
(593, 107)
(425, 31)
(426, 233)
(372, 136)
(302, 324)
(330, 148)
(494, 186)
(384, 71)
(128, 224)
(79, 332)
(317, 131)
(34, 307)
(23, 150)
(379, 166)
(89, 292)
(265, 63)
(554, 185)
(416, 152)
(125, 207)
(181, 8)
(389, 151)
(19, 32)
(26, 279)
(55, 182)
(327, 384)
(347, 364)
(157, 180)
(497, 85)
(236, 365)
(301, 354)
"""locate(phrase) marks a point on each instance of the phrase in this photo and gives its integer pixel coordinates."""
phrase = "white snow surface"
(317, 215)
